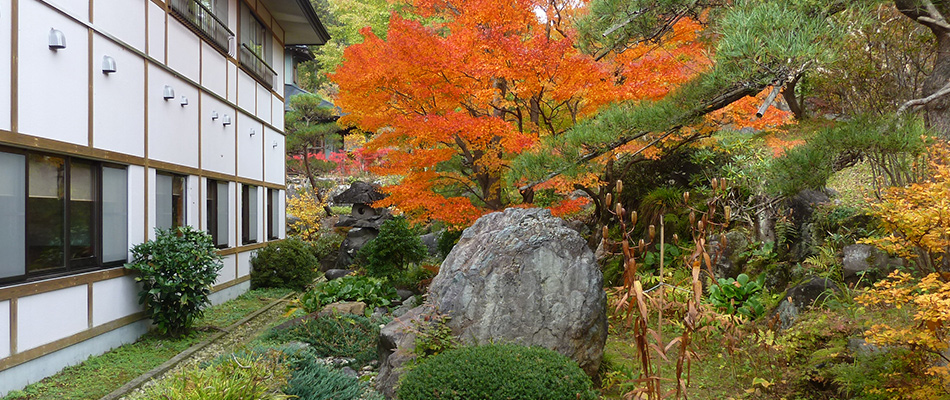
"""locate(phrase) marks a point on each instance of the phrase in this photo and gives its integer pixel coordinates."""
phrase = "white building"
(116, 117)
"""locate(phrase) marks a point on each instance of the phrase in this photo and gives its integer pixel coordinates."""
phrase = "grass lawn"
(100, 375)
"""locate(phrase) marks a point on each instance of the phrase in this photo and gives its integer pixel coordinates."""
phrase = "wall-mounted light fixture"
(253, 132)
(168, 93)
(226, 120)
(108, 65)
(184, 101)
(275, 144)
(214, 115)
(56, 39)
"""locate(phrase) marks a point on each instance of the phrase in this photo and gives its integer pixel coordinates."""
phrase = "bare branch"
(917, 103)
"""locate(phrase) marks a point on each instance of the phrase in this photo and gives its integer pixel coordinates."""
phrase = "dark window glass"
(169, 201)
(217, 212)
(45, 213)
(248, 214)
(273, 214)
(82, 212)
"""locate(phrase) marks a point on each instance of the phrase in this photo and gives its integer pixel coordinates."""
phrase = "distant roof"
(359, 192)
(291, 90)
(300, 52)
(299, 20)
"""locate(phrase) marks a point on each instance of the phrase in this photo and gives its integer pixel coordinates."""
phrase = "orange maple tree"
(459, 88)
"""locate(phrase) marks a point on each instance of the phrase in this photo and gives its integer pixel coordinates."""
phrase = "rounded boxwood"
(496, 371)
(285, 264)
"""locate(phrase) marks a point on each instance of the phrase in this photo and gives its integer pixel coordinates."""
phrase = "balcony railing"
(256, 66)
(204, 21)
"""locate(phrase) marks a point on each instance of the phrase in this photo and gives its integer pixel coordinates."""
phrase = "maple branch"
(465, 184)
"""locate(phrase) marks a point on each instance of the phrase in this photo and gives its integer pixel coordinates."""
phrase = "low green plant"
(738, 296)
(496, 371)
(352, 336)
(326, 243)
(176, 271)
(312, 380)
(391, 252)
(236, 377)
(285, 264)
(373, 291)
(433, 336)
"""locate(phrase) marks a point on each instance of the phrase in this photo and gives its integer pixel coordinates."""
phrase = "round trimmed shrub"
(496, 371)
(285, 264)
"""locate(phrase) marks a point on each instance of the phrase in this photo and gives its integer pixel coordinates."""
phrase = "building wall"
(60, 102)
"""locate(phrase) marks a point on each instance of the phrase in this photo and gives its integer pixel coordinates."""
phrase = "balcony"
(256, 66)
(203, 21)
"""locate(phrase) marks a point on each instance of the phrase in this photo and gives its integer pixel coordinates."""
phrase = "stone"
(859, 346)
(332, 274)
(348, 371)
(356, 238)
(404, 294)
(731, 260)
(801, 297)
(431, 241)
(859, 259)
(344, 307)
(519, 276)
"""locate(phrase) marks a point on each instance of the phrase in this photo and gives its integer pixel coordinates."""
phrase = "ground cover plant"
(350, 336)
(100, 375)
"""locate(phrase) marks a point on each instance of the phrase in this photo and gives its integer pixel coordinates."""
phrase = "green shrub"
(176, 271)
(447, 241)
(314, 381)
(372, 291)
(327, 243)
(496, 371)
(738, 296)
(352, 336)
(396, 246)
(285, 264)
(235, 377)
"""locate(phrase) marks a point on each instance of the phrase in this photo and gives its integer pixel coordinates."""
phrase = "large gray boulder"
(861, 259)
(519, 276)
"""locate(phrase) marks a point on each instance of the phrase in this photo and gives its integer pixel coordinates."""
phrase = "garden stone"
(801, 297)
(731, 261)
(332, 274)
(519, 276)
(431, 241)
(861, 259)
(348, 372)
(356, 238)
(344, 307)
(860, 346)
(403, 294)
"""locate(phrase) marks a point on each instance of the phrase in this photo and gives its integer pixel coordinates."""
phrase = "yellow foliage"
(308, 212)
(929, 300)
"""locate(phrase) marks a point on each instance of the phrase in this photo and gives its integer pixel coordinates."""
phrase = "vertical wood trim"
(91, 11)
(90, 98)
(89, 304)
(147, 41)
(14, 89)
(13, 326)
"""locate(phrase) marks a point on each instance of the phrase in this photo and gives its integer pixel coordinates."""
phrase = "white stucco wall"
(53, 96)
(244, 263)
(6, 19)
(172, 128)
(214, 70)
(278, 112)
(156, 31)
(123, 19)
(274, 167)
(4, 328)
(118, 99)
(192, 204)
(113, 299)
(150, 208)
(217, 140)
(63, 314)
(264, 103)
(184, 50)
(137, 201)
(232, 82)
(250, 156)
(227, 272)
(246, 92)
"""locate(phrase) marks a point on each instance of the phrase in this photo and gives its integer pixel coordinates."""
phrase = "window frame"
(205, 21)
(248, 221)
(184, 200)
(256, 64)
(212, 217)
(67, 265)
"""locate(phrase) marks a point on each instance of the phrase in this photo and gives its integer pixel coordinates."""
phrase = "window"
(273, 214)
(248, 214)
(169, 201)
(217, 212)
(207, 17)
(60, 214)
(255, 48)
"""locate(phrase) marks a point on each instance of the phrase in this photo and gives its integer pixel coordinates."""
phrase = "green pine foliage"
(312, 380)
(351, 336)
(176, 271)
(496, 371)
(285, 264)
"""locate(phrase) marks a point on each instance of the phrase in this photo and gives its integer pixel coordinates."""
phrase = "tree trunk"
(933, 16)
(313, 181)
